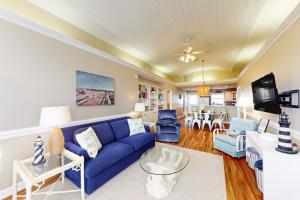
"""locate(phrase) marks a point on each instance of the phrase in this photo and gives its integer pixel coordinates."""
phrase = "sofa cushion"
(89, 141)
(226, 138)
(78, 131)
(104, 133)
(139, 140)
(108, 155)
(120, 128)
(136, 126)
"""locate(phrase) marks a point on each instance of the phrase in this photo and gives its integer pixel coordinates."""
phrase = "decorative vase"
(56, 142)
(38, 151)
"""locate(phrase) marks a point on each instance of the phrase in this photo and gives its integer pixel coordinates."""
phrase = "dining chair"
(207, 120)
(219, 121)
(196, 119)
(188, 120)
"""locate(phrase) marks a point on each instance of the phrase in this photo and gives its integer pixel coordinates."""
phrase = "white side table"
(54, 165)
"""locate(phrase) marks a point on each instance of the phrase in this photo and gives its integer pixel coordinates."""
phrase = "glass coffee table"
(163, 163)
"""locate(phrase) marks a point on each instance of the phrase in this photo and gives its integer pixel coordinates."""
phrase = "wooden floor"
(240, 179)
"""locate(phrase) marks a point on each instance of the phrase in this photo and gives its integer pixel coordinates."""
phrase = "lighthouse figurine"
(284, 137)
(38, 151)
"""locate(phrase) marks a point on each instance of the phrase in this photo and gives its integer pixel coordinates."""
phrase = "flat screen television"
(265, 94)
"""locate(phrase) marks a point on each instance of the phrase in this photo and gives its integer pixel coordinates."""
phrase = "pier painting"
(92, 89)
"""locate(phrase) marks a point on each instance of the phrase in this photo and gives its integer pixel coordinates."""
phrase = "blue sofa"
(167, 128)
(119, 150)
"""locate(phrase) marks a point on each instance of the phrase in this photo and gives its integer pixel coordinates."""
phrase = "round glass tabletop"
(164, 160)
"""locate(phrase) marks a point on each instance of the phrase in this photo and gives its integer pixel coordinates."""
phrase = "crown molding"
(211, 82)
(290, 20)
(25, 23)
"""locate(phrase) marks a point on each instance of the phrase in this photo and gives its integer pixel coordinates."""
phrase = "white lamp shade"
(55, 116)
(139, 107)
(244, 101)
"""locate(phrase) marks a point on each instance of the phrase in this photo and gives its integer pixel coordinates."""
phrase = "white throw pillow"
(89, 141)
(136, 126)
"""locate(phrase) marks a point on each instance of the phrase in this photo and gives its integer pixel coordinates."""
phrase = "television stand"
(281, 171)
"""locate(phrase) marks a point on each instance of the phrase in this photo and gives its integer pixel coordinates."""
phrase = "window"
(217, 99)
(193, 99)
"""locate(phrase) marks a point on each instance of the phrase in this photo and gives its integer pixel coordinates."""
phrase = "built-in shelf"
(153, 97)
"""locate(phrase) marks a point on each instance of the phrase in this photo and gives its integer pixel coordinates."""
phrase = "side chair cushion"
(167, 121)
(226, 139)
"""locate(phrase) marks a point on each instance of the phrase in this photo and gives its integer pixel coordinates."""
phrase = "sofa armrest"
(77, 150)
(147, 128)
(240, 143)
(177, 124)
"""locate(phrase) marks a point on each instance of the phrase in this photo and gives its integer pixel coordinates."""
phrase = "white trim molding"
(4, 135)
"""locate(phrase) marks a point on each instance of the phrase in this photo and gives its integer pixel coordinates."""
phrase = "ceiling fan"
(188, 54)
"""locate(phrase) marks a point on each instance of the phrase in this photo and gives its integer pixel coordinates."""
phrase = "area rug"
(203, 178)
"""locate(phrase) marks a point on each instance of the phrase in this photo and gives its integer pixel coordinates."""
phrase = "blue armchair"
(233, 140)
(167, 128)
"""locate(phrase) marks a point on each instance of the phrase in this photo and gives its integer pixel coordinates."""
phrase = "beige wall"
(283, 59)
(38, 71)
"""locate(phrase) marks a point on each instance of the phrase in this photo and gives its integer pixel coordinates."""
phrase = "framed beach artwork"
(93, 89)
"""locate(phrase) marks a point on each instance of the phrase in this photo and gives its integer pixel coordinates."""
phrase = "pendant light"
(203, 90)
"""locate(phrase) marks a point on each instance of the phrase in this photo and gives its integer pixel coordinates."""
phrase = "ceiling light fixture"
(188, 55)
(203, 90)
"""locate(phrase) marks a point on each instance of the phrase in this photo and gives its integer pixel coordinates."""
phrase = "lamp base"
(56, 142)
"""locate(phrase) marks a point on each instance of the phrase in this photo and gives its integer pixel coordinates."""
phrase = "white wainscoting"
(274, 125)
(4, 135)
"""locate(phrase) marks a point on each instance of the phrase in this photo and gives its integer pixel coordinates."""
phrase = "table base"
(160, 186)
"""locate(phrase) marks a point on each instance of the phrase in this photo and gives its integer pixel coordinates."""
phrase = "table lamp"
(55, 117)
(244, 102)
(139, 108)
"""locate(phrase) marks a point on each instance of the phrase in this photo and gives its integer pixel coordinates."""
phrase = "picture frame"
(93, 89)
(263, 125)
